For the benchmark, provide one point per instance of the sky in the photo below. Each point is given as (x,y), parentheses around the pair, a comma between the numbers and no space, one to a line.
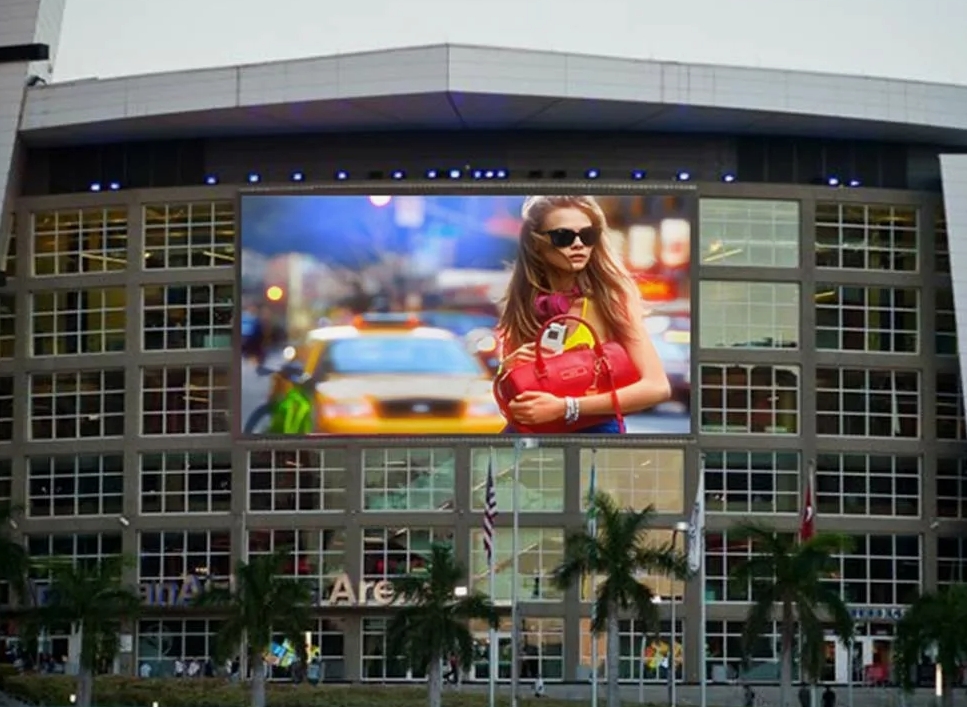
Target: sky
(909,39)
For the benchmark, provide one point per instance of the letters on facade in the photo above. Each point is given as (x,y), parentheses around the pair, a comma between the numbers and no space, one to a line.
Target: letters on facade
(342,593)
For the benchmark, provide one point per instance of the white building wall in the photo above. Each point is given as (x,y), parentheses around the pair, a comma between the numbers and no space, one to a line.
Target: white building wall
(21,22)
(953,169)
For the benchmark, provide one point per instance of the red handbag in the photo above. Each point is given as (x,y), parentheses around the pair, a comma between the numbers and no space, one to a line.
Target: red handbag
(573,373)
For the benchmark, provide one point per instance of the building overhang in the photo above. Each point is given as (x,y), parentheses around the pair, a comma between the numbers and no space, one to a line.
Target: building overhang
(452,87)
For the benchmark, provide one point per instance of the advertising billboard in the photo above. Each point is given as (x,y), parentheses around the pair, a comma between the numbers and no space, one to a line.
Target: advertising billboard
(439,314)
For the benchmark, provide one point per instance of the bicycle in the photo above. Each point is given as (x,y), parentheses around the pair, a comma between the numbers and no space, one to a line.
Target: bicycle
(292,413)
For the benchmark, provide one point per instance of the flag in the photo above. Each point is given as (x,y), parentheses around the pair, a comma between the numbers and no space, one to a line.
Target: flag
(490,513)
(807,523)
(696,526)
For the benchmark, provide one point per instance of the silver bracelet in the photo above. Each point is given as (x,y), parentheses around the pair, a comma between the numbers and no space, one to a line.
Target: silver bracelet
(572,410)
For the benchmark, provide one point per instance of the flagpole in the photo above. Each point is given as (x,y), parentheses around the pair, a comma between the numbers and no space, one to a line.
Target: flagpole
(703,650)
(492,589)
(593,532)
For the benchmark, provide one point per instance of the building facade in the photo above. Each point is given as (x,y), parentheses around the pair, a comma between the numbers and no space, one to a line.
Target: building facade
(826,341)
(826,338)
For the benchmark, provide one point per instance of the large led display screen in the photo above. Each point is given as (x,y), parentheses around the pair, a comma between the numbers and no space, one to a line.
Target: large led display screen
(442,314)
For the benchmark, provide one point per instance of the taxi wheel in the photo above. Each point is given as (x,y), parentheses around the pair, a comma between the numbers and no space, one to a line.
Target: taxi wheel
(260,419)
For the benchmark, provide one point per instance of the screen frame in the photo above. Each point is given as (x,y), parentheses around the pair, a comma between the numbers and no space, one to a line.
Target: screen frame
(471,187)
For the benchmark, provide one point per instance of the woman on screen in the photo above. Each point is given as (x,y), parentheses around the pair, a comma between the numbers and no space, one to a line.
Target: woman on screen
(565,265)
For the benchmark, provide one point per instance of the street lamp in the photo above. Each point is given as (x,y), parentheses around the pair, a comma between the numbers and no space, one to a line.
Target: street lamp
(520,444)
(680,527)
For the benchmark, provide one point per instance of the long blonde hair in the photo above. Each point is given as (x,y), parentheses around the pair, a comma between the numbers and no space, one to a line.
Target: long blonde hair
(605,278)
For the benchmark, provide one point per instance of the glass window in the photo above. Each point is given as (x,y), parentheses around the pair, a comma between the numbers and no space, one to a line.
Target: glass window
(8,261)
(80,241)
(945,334)
(180,317)
(397,552)
(317,557)
(723,555)
(376,667)
(743,315)
(880,569)
(950,407)
(637,478)
(6,408)
(175,554)
(82,548)
(408,479)
(539,550)
(642,649)
(867,485)
(75,404)
(873,319)
(749,399)
(942,262)
(6,481)
(184,400)
(752,482)
(541,478)
(328,646)
(858,237)
(161,643)
(200,235)
(68,485)
(70,322)
(727,656)
(859,402)
(297,480)
(951,560)
(744,232)
(186,482)
(8,321)
(951,487)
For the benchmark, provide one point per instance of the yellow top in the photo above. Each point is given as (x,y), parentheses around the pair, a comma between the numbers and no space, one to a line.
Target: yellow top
(581,336)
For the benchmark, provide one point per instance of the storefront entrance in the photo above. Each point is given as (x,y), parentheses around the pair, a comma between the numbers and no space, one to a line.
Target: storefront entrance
(871,664)
(481,663)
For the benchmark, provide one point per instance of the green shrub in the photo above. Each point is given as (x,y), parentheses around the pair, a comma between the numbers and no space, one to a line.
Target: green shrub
(115,691)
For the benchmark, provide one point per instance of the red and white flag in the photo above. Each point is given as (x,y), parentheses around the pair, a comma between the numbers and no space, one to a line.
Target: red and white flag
(807,521)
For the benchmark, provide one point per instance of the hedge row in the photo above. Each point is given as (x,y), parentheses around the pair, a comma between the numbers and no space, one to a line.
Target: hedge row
(114,691)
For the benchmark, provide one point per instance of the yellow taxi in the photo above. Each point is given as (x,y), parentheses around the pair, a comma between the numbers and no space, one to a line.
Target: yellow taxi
(391,374)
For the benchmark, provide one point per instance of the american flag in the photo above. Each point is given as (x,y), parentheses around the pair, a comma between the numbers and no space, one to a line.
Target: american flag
(490,513)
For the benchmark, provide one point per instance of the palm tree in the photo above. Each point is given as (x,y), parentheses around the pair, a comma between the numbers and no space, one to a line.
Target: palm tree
(14,563)
(433,622)
(795,577)
(934,622)
(92,599)
(622,555)
(259,605)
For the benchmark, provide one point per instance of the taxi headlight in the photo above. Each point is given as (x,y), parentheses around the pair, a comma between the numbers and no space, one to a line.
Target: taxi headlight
(357,407)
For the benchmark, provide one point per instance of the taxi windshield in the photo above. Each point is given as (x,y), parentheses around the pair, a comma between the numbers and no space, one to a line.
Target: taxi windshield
(400,354)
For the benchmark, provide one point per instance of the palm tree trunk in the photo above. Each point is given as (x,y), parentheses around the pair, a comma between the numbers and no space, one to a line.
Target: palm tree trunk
(948,690)
(788,638)
(614,659)
(434,682)
(257,666)
(85,687)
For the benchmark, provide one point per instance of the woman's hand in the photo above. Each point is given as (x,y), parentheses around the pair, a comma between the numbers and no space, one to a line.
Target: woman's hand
(537,408)
(522,354)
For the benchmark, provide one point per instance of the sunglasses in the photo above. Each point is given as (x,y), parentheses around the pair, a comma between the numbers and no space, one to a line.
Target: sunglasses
(565,237)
